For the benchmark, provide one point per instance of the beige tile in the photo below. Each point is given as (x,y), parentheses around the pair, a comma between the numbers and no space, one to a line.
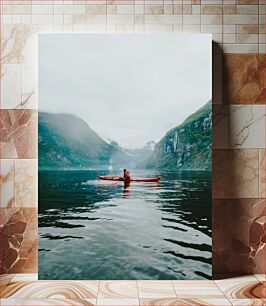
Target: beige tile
(191,19)
(10,85)
(26,19)
(4,280)
(68,8)
(262,49)
(195,9)
(139,19)
(21,9)
(247,2)
(42,9)
(229,38)
(67,28)
(262,39)
(7,183)
(245,287)
(209,28)
(154,9)
(183,302)
(248,302)
(45,28)
(140,28)
(247,38)
(25,277)
(262,9)
(156,289)
(262,28)
(59,9)
(42,19)
(58,19)
(111,10)
(163,19)
(26,183)
(197,289)
(211,9)
(206,301)
(100,20)
(16,19)
(118,290)
(68,19)
(48,302)
(216,2)
(96,10)
(117,302)
(120,19)
(262,172)
(247,9)
(80,19)
(177,28)
(240,19)
(191,28)
(217,38)
(247,126)
(51,290)
(240,48)
(247,29)
(211,19)
(125,28)
(187,9)
(6,9)
(229,9)
(260,277)
(79,9)
(29,84)
(159,302)
(229,29)
(178,9)
(139,8)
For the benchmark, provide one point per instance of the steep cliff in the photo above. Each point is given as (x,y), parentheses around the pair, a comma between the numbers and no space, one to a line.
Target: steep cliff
(187,146)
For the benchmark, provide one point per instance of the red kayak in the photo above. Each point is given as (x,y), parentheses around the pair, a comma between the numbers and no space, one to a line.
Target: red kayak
(121,179)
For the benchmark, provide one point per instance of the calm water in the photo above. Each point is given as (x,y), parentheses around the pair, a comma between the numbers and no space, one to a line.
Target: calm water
(90,229)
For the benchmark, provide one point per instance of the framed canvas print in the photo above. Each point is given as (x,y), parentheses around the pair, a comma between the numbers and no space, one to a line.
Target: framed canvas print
(125,156)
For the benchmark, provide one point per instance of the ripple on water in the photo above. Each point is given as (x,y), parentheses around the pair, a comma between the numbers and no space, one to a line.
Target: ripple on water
(102,230)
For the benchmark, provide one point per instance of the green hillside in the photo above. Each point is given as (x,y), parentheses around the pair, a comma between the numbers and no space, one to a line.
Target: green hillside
(187,146)
(66,141)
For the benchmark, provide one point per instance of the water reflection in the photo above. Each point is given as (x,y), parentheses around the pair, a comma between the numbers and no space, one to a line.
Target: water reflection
(145,230)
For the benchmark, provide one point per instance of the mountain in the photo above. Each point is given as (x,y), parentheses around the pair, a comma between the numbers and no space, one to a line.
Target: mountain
(138,156)
(187,146)
(66,141)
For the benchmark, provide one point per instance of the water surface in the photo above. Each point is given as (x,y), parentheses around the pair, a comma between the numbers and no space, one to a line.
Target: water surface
(90,229)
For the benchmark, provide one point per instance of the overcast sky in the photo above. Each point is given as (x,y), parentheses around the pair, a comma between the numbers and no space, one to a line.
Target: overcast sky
(131,88)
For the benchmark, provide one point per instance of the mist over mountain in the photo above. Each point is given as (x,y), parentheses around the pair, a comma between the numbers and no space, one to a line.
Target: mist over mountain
(67,142)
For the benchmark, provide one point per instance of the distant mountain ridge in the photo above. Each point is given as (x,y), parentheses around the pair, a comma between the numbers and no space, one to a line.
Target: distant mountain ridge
(187,146)
(66,141)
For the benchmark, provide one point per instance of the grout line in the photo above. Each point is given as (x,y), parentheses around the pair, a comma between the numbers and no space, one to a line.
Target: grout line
(220,289)
(138,291)
(175,290)
(98,289)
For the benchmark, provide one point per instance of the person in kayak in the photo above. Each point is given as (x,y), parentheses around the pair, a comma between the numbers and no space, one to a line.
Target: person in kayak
(127,175)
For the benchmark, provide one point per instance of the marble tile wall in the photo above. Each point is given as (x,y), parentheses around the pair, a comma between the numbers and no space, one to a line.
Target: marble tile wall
(238,28)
